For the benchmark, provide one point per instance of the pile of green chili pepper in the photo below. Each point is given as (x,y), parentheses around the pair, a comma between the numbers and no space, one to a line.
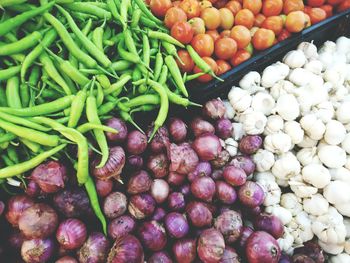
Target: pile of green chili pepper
(65,66)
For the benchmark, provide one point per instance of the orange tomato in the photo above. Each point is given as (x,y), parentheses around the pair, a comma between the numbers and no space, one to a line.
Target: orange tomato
(191,8)
(259,19)
(315,3)
(177,3)
(296,21)
(240,56)
(225,48)
(205,4)
(245,17)
(227,18)
(272,7)
(263,39)
(275,23)
(173,15)
(292,5)
(253,5)
(211,18)
(317,15)
(206,77)
(214,34)
(203,44)
(328,9)
(283,35)
(307,9)
(225,33)
(160,7)
(234,6)
(334,2)
(241,35)
(188,63)
(223,66)
(344,6)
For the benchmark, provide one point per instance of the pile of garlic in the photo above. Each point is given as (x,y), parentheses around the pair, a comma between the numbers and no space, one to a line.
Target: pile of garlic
(302,107)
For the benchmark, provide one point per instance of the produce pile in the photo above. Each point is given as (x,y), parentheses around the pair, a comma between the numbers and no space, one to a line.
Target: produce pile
(227,33)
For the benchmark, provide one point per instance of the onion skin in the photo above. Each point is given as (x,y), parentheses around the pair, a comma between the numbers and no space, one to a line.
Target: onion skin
(199,214)
(313,250)
(246,233)
(185,190)
(176,179)
(221,160)
(160,257)
(71,233)
(200,127)
(251,194)
(177,130)
(261,247)
(300,258)
(103,187)
(159,214)
(250,144)
(207,146)
(234,176)
(121,226)
(135,162)
(115,205)
(66,259)
(225,193)
(203,188)
(244,162)
(230,225)
(285,258)
(223,128)
(185,250)
(176,201)
(95,249)
(139,182)
(270,224)
(230,256)
(37,250)
(136,142)
(176,225)
(160,140)
(15,207)
(217,174)
(202,169)
(160,190)
(183,159)
(211,246)
(16,240)
(38,221)
(120,126)
(126,249)
(214,109)
(159,165)
(141,206)
(33,189)
(152,235)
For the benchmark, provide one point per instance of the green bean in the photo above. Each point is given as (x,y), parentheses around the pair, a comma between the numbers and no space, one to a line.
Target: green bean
(146,50)
(9,72)
(14,22)
(89,9)
(24,94)
(3,99)
(21,45)
(103,80)
(33,146)
(158,66)
(141,4)
(12,93)
(171,50)
(142,99)
(22,121)
(91,126)
(7,137)
(116,87)
(136,15)
(165,37)
(77,108)
(176,74)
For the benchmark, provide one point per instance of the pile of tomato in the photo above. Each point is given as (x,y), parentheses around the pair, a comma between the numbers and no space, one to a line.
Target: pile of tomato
(226,33)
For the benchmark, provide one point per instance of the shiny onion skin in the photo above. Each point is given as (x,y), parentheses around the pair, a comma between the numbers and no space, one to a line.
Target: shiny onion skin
(214,109)
(71,233)
(135,162)
(225,193)
(15,207)
(210,246)
(177,130)
(246,233)
(66,259)
(202,169)
(37,250)
(200,127)
(176,201)
(176,179)
(244,162)
(183,159)
(94,250)
(158,164)
(270,224)
(313,250)
(115,205)
(221,160)
(121,226)
(120,126)
(223,128)
(126,249)
(176,225)
(160,140)
(184,250)
(33,189)
(207,146)
(235,176)
(159,214)
(250,144)
(230,256)
(136,142)
(203,188)
(230,225)
(141,206)
(152,235)
(261,247)
(198,214)
(160,190)
(160,257)
(139,182)
(251,194)
(104,187)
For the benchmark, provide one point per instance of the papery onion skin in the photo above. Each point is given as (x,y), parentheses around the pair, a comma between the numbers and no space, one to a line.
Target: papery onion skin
(244,162)
(121,226)
(230,225)
(313,250)
(37,250)
(15,207)
(176,201)
(286,259)
(33,189)
(66,259)
(139,182)
(223,128)
(115,204)
(270,224)
(95,249)
(301,258)
(214,109)
(185,190)
(217,174)
(135,162)
(261,247)
(176,179)
(160,190)
(251,194)
(246,233)
(160,139)
(200,127)
(221,160)
(126,249)
(176,225)
(184,250)
(71,233)
(199,214)
(120,126)
(234,176)
(202,169)
(207,146)
(113,167)
(177,130)
(136,142)
(38,221)
(141,206)
(159,214)
(203,188)
(160,257)
(225,193)
(250,144)
(183,159)
(104,187)
(211,246)
(230,256)
(159,165)
(152,235)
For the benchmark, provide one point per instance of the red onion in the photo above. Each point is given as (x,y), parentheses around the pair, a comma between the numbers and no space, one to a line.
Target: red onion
(203,188)
(223,128)
(50,176)
(160,257)
(270,224)
(286,259)
(15,207)
(312,250)
(244,162)
(136,142)
(199,214)
(121,226)
(300,258)
(126,249)
(230,256)
(246,233)
(176,179)
(185,250)
(261,247)
(176,201)
(234,175)
(114,165)
(71,233)
(183,159)
(230,225)
(73,202)
(251,194)
(252,212)
(152,235)
(115,205)
(160,190)
(217,175)
(207,146)
(176,225)
(158,164)
(37,250)
(211,246)
(135,162)
(160,140)
(200,127)
(225,193)
(250,144)
(159,214)
(104,187)
(38,221)
(141,206)
(221,160)
(139,182)
(202,169)
(120,126)
(185,190)
(94,250)
(33,189)
(177,129)
(15,240)
(214,109)
(66,259)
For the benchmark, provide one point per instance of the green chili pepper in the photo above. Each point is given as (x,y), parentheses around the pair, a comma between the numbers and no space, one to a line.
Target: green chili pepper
(143,99)
(77,108)
(117,87)
(165,37)
(90,9)
(12,93)
(136,15)
(33,146)
(91,126)
(171,50)
(21,45)
(176,74)
(9,72)
(141,4)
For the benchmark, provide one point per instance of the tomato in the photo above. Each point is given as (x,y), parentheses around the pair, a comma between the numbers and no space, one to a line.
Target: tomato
(275,23)
(177,3)
(316,15)
(296,21)
(334,2)
(249,48)
(205,4)
(315,3)
(214,34)
(240,56)
(227,18)
(220,4)
(328,9)
(206,77)
(344,6)
(225,48)
(211,18)
(160,7)
(272,7)
(191,8)
(182,31)
(292,5)
(225,33)
(203,44)
(223,66)
(283,35)
(259,19)
(263,39)
(198,25)
(245,17)
(234,6)
(253,30)
(188,63)
(173,15)
(213,1)
(253,5)
(241,35)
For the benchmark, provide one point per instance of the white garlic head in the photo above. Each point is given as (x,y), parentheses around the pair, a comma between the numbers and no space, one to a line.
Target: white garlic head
(287,107)
(294,130)
(274,124)
(263,102)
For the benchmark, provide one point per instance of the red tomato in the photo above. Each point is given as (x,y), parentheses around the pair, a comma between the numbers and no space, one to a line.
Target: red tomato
(272,7)
(328,9)
(198,25)
(245,17)
(253,5)
(177,3)
(160,7)
(334,2)
(206,77)
(316,15)
(240,56)
(259,19)
(225,48)
(211,18)
(214,34)
(191,8)
(283,35)
(296,21)
(182,31)
(223,66)
(344,6)
(185,57)
(173,15)
(275,23)
(292,5)
(203,44)
(234,6)
(205,4)
(225,33)
(315,3)
(263,39)
(241,35)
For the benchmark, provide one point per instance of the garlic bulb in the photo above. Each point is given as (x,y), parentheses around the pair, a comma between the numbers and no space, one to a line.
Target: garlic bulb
(314,66)
(287,107)
(274,124)
(312,126)
(230,112)
(292,203)
(295,59)
(263,160)
(231,146)
(282,87)
(239,99)
(346,143)
(316,205)
(342,113)
(333,76)
(343,45)
(294,130)
(342,174)
(316,175)
(254,123)
(307,142)
(324,111)
(332,156)
(274,73)
(309,50)
(238,131)
(307,156)
(300,188)
(282,213)
(335,132)
(300,76)
(278,143)
(286,166)
(263,102)
(251,82)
